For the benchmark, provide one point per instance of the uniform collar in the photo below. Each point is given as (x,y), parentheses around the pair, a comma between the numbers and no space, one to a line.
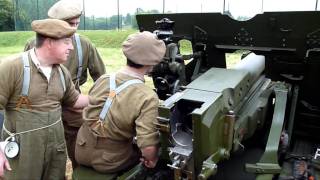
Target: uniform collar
(132,74)
(34,58)
(45,70)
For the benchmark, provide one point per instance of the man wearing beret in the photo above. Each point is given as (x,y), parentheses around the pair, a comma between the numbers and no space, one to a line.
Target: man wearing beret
(84,57)
(122,108)
(32,89)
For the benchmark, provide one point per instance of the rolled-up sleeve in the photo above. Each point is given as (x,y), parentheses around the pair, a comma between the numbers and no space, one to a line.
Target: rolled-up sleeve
(8,80)
(71,94)
(147,134)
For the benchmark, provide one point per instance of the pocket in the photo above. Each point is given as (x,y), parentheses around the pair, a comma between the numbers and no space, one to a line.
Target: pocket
(104,161)
(111,157)
(61,147)
(83,150)
(81,142)
(57,161)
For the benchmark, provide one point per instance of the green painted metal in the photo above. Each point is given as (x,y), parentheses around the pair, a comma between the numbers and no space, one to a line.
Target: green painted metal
(132,173)
(209,166)
(84,173)
(264,177)
(268,164)
(216,92)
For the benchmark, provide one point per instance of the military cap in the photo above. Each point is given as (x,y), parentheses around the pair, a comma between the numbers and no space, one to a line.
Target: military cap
(53,28)
(144,48)
(65,9)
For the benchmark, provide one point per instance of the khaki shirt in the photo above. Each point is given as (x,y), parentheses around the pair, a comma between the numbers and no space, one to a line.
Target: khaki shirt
(44,96)
(132,113)
(91,60)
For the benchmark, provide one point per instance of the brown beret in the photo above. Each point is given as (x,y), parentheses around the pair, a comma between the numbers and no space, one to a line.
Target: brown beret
(65,9)
(53,28)
(144,48)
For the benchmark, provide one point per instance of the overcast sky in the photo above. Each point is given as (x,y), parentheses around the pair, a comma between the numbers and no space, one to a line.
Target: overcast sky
(103,8)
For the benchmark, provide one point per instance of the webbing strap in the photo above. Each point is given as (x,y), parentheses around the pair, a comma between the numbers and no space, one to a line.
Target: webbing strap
(112,82)
(26,74)
(113,92)
(108,102)
(80,56)
(62,79)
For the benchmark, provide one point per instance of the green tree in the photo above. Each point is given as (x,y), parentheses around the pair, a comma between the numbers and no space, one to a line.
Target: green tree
(113,22)
(6,15)
(128,20)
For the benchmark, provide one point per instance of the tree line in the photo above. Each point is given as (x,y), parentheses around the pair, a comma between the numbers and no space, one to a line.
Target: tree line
(17,15)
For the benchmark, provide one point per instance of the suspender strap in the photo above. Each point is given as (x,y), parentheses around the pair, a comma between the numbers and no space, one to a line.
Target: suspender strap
(80,56)
(108,102)
(113,92)
(112,82)
(62,79)
(26,74)
(126,84)
(1,118)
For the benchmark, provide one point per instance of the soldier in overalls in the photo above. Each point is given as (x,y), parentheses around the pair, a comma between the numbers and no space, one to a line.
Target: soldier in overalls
(84,57)
(121,108)
(32,89)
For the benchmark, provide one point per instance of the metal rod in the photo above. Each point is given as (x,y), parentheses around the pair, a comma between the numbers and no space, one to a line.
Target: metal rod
(37,9)
(224,6)
(84,16)
(293,107)
(106,22)
(118,15)
(163,5)
(93,23)
(15,3)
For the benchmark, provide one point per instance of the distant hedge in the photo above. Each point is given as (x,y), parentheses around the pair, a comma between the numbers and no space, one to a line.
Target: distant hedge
(101,38)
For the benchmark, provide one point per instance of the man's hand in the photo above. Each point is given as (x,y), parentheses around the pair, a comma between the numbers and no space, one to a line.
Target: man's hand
(4,164)
(149,163)
(82,101)
(149,156)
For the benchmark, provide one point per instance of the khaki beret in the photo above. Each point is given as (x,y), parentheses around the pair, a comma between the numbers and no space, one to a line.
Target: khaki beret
(53,28)
(144,48)
(65,9)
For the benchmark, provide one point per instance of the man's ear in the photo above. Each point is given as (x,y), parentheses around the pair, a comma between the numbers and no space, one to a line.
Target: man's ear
(48,43)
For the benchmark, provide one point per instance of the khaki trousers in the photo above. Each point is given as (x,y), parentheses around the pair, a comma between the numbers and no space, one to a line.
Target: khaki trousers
(72,122)
(42,153)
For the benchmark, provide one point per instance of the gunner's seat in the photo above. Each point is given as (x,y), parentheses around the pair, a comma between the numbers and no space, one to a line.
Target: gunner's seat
(85,173)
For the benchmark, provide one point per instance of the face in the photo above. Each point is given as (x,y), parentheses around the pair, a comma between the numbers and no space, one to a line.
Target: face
(74,22)
(60,49)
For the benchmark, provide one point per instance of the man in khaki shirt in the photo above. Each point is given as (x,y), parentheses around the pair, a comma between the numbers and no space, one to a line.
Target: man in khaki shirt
(105,140)
(32,89)
(84,57)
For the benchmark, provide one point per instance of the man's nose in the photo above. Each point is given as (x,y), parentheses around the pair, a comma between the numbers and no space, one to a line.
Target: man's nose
(71,46)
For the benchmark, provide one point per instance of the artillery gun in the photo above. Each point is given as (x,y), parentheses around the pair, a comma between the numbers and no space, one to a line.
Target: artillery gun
(259,120)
